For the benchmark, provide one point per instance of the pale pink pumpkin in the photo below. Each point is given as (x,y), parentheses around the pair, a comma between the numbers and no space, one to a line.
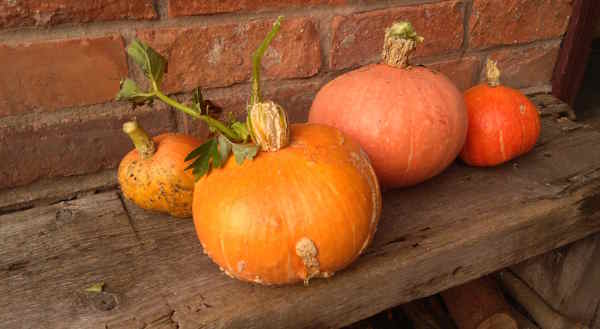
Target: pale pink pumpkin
(411,120)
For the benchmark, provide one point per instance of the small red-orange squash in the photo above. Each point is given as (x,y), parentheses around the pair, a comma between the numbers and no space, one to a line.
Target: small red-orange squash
(303,211)
(153,174)
(410,120)
(503,123)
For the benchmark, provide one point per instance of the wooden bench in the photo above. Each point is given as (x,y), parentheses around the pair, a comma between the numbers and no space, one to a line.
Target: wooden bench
(458,226)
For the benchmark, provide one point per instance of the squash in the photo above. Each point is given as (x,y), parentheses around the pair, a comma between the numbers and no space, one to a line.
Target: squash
(153,176)
(503,123)
(304,211)
(305,207)
(410,120)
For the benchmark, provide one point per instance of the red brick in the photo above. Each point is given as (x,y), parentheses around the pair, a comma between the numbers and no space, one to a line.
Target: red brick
(526,67)
(295,97)
(19,13)
(464,72)
(219,55)
(502,22)
(73,143)
(203,7)
(357,39)
(49,75)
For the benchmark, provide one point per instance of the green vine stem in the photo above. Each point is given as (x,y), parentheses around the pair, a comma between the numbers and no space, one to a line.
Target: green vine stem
(266,121)
(256,59)
(228,132)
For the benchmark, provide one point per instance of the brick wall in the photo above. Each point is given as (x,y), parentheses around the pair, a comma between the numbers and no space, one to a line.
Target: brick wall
(62,61)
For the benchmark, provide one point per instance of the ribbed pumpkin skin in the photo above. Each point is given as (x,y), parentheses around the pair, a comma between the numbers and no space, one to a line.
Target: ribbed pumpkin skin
(411,122)
(249,218)
(503,124)
(160,183)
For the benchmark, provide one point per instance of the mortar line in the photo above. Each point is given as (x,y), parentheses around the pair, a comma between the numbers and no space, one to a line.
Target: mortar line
(468,11)
(13,36)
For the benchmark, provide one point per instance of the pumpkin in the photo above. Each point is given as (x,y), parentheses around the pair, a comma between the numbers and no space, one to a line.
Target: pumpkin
(304,211)
(305,207)
(410,120)
(503,123)
(153,175)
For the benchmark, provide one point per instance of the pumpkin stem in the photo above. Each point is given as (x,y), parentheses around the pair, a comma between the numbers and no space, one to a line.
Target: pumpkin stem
(492,73)
(256,59)
(143,143)
(267,121)
(269,125)
(400,41)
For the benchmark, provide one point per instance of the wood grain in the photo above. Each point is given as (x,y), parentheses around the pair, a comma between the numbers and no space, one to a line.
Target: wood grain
(542,313)
(523,321)
(568,278)
(461,225)
(52,190)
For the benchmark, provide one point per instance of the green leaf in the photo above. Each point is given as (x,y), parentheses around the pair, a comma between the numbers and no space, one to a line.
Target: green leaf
(206,156)
(215,152)
(151,62)
(240,151)
(96,287)
(199,150)
(131,92)
(241,129)
(224,148)
(244,151)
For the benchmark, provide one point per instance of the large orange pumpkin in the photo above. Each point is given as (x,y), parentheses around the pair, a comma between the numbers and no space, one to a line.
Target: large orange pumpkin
(306,210)
(410,120)
(153,174)
(503,123)
(305,207)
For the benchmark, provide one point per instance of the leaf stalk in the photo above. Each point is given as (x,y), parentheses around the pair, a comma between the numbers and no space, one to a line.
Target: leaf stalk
(214,123)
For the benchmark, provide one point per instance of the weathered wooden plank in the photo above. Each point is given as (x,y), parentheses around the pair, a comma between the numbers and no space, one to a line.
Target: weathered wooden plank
(549,105)
(49,255)
(523,321)
(568,278)
(55,189)
(459,226)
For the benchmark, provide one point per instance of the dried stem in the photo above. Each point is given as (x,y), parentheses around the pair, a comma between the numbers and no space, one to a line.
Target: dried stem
(142,142)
